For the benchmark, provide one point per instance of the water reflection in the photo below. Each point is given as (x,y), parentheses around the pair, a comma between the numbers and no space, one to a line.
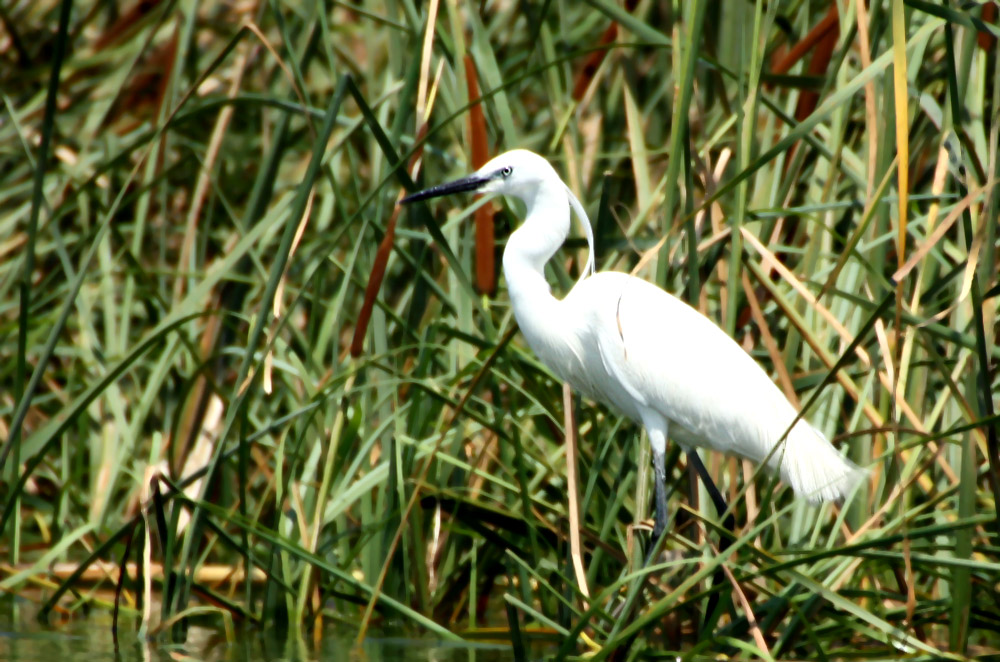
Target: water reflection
(86,637)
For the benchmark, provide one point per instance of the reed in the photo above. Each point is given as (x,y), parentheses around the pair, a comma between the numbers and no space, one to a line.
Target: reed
(198,223)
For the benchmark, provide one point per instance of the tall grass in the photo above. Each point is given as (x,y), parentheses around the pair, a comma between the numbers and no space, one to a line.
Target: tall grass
(194,196)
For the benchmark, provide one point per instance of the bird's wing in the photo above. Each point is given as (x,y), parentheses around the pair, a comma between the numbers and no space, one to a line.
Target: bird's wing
(658,352)
(644,350)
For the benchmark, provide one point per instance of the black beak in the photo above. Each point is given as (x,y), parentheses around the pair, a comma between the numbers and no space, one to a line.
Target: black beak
(471,183)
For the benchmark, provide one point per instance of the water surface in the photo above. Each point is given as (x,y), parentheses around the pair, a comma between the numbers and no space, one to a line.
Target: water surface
(87,637)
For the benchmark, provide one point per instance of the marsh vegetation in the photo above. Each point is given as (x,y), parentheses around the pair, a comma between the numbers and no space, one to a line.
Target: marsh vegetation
(233,367)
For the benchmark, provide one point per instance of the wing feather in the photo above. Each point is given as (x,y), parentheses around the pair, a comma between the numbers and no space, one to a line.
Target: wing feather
(656,351)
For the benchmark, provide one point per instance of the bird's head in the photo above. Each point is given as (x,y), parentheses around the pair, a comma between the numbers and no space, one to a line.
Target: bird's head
(518,173)
(521,174)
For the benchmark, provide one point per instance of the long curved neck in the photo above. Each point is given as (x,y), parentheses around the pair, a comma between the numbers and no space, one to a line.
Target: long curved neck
(532,245)
(549,326)
(540,316)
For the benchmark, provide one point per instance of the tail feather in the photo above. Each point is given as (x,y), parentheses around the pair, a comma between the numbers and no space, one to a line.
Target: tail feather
(814,468)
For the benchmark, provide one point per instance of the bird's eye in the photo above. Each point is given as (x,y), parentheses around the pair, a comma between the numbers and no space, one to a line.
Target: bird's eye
(506,171)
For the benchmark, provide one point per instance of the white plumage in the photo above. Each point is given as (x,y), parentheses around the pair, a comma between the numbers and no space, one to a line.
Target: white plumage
(629,344)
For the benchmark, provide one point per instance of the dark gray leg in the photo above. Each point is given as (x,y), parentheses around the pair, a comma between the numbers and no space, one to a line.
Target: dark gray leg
(729,522)
(660,472)
(713,492)
(656,428)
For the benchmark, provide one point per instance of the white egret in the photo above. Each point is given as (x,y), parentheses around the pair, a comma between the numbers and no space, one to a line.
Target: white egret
(629,344)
